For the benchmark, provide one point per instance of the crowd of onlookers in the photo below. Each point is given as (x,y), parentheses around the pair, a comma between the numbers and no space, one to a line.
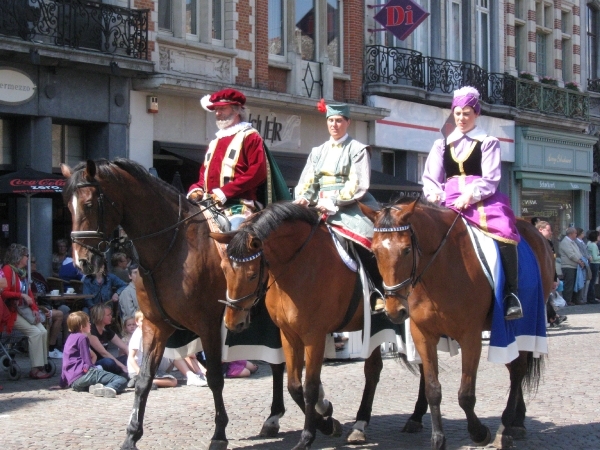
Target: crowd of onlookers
(577,267)
(101,345)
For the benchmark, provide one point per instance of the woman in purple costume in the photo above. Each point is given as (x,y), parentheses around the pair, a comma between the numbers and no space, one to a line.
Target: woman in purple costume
(462,172)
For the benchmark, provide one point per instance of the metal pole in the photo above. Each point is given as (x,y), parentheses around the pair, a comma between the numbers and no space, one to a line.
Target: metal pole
(28,239)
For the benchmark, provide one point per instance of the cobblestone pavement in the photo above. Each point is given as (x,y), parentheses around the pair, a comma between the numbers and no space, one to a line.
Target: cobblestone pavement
(563,415)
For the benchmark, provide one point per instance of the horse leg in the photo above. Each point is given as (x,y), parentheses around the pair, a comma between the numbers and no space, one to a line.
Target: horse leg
(513,416)
(211,342)
(154,340)
(415,422)
(427,348)
(271,426)
(471,351)
(372,370)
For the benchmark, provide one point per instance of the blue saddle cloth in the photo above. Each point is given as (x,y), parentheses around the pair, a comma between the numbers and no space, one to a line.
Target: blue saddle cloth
(508,337)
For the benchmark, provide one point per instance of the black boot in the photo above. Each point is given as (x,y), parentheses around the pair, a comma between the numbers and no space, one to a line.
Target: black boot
(510,263)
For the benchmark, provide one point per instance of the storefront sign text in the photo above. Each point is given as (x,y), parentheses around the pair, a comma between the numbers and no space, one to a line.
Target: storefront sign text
(280,131)
(401,17)
(15,86)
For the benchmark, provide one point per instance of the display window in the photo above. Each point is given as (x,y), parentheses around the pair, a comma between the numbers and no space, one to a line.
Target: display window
(553,206)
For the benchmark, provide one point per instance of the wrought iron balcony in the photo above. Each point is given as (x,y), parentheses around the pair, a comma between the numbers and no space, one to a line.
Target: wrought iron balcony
(594,85)
(77,24)
(404,67)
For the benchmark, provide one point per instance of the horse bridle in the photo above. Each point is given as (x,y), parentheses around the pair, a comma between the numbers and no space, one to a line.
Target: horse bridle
(413,280)
(262,288)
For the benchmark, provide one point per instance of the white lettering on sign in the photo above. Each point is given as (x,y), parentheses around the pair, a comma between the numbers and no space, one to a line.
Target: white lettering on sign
(560,159)
(15,86)
(547,185)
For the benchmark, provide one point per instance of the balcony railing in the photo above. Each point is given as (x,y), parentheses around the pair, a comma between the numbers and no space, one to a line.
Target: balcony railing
(594,85)
(404,67)
(77,24)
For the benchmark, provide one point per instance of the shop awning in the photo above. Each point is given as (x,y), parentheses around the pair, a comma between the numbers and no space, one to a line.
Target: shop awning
(553,182)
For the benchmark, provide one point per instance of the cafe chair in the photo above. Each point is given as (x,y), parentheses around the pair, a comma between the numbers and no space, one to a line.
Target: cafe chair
(77,285)
(56,283)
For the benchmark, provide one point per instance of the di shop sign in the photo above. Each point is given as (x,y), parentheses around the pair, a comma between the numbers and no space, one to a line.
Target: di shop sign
(401,17)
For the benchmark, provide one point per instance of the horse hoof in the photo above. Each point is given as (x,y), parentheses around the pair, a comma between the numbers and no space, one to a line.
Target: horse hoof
(337,428)
(356,437)
(329,411)
(301,446)
(217,445)
(486,440)
(517,433)
(503,441)
(269,431)
(412,426)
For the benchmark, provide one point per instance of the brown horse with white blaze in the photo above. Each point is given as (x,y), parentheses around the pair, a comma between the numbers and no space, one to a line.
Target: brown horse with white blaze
(286,255)
(429,265)
(181,279)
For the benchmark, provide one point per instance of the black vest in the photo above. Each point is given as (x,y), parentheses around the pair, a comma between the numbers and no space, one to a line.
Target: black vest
(471,166)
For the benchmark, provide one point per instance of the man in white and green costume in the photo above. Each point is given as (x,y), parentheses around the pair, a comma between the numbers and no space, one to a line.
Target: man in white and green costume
(336,176)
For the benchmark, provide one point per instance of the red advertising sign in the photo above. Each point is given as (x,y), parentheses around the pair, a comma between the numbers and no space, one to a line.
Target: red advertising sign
(401,17)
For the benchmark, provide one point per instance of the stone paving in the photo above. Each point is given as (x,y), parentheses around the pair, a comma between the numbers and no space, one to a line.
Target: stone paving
(565,413)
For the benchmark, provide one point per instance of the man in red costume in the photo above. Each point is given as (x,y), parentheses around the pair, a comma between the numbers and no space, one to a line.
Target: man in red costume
(235,164)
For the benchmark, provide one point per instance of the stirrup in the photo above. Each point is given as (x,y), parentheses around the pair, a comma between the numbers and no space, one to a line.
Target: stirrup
(379,306)
(512,307)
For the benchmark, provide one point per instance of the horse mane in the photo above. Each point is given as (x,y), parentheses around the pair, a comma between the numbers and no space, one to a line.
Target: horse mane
(106,170)
(263,223)
(387,221)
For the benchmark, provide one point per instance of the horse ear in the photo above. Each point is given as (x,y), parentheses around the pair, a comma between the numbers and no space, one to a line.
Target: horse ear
(367,211)
(66,170)
(90,169)
(223,238)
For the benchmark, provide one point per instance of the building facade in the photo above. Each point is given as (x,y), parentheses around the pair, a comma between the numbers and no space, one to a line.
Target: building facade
(527,60)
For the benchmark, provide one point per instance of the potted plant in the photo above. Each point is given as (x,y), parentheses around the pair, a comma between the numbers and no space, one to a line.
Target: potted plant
(526,76)
(549,80)
(573,85)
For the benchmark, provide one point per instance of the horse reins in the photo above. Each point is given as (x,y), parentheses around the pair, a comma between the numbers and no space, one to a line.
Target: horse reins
(262,288)
(393,290)
(104,245)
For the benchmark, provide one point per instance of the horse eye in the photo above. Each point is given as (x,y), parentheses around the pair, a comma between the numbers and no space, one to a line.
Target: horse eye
(407,250)
(253,277)
(88,205)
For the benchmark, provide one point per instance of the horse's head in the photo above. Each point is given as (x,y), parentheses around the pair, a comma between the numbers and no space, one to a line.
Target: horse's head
(246,276)
(92,219)
(396,253)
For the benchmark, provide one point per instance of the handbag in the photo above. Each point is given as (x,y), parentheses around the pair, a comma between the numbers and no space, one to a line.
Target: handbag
(25,311)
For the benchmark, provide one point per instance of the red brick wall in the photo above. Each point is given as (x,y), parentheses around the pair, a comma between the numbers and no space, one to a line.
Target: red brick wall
(353,26)
(147,4)
(338,90)
(243,77)
(276,79)
(263,72)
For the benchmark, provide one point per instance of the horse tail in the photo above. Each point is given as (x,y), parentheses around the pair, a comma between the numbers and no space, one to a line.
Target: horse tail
(402,359)
(535,369)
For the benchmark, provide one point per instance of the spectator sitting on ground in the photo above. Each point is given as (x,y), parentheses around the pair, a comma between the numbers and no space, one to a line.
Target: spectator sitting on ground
(78,369)
(161,378)
(101,286)
(119,263)
(58,314)
(129,326)
(239,369)
(128,298)
(102,335)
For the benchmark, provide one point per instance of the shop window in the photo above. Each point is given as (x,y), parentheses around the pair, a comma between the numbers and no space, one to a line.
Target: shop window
(553,206)
(277,27)
(6,140)
(388,162)
(67,145)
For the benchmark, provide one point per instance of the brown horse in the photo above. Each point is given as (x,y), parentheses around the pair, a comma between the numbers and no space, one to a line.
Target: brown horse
(181,279)
(286,254)
(436,274)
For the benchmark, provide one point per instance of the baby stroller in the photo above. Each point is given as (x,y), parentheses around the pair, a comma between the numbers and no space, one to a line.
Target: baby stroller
(13,343)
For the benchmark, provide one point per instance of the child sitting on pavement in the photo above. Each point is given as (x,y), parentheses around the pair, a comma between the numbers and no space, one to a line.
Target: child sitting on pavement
(78,369)
(161,379)
(129,326)
(239,369)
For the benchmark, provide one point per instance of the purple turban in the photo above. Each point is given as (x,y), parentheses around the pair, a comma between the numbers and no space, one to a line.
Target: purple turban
(466,96)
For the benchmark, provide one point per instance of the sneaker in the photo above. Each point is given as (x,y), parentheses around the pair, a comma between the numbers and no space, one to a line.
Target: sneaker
(55,354)
(131,382)
(195,380)
(105,391)
(94,387)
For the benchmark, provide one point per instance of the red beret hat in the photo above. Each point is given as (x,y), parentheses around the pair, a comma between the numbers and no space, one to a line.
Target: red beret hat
(223,98)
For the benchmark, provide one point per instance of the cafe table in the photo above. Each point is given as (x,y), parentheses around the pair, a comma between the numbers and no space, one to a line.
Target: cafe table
(73,301)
